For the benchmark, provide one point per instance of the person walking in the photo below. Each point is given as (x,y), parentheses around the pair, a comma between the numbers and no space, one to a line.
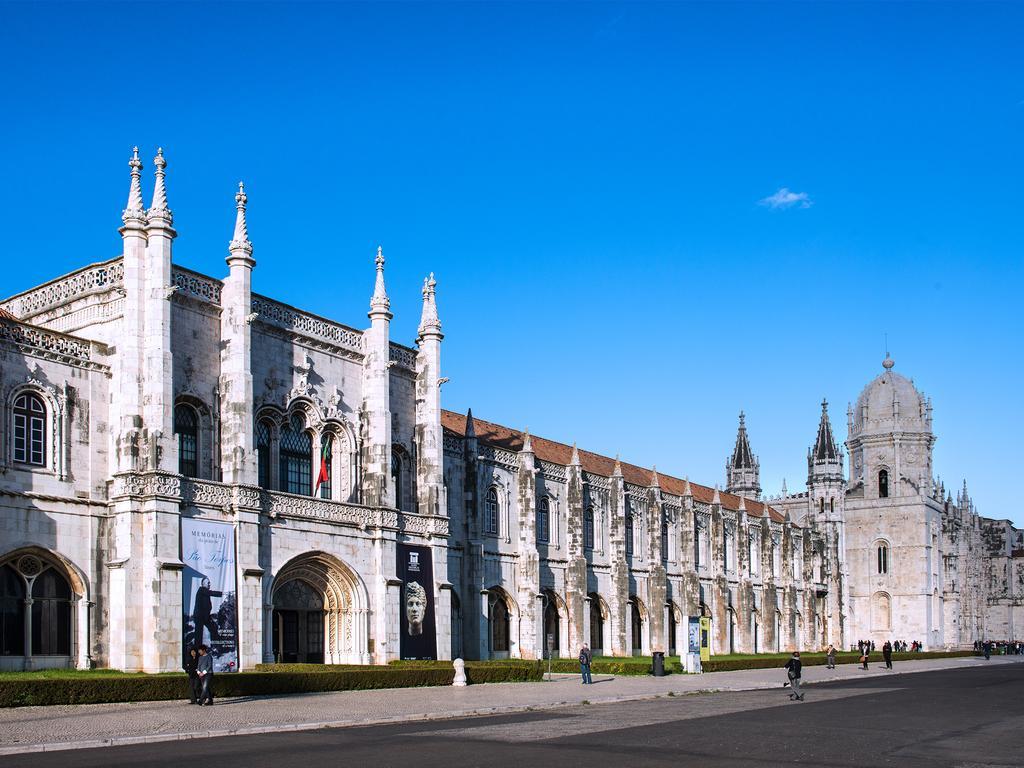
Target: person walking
(987,647)
(864,657)
(191,667)
(830,657)
(887,654)
(793,667)
(586,657)
(205,671)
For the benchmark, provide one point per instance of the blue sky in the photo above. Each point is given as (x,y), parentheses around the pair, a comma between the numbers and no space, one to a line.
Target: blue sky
(584,180)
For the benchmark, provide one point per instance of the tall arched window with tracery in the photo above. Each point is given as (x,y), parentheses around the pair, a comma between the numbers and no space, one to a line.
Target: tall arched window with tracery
(263,453)
(296,458)
(491,512)
(186,427)
(29,430)
(588,528)
(325,468)
(883,484)
(544,521)
(629,533)
(396,477)
(883,558)
(664,540)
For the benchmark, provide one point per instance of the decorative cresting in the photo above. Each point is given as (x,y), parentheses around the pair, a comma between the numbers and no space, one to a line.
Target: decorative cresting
(403,356)
(305,325)
(346,604)
(48,344)
(196,286)
(94,278)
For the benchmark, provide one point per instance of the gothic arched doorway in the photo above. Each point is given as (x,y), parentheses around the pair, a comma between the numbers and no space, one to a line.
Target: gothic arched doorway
(319,612)
(551,639)
(499,623)
(597,616)
(637,626)
(298,624)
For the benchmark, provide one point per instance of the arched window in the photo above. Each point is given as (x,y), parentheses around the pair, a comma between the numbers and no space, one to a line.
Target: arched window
(588,528)
(883,558)
(263,452)
(881,615)
(12,612)
(499,621)
(637,625)
(664,540)
(29,430)
(324,471)
(697,533)
(51,615)
(883,484)
(396,477)
(186,427)
(596,624)
(491,512)
(296,458)
(629,533)
(552,641)
(544,520)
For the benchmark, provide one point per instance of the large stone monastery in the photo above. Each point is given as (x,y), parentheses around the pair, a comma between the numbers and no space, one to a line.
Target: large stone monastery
(143,404)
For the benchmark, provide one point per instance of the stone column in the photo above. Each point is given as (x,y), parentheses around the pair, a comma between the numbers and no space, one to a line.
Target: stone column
(657,580)
(530,628)
(618,610)
(576,599)
(238,454)
(378,489)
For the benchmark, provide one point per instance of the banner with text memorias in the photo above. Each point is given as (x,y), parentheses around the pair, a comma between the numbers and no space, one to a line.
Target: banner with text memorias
(416,572)
(209,599)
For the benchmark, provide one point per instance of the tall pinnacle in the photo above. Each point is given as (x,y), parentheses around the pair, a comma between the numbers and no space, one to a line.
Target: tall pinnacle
(527,444)
(134,211)
(240,239)
(742,456)
(617,469)
(429,321)
(380,303)
(825,445)
(470,428)
(159,209)
(575,459)
(655,481)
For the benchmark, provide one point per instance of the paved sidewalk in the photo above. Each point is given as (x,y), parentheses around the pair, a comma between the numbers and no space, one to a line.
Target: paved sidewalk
(34,729)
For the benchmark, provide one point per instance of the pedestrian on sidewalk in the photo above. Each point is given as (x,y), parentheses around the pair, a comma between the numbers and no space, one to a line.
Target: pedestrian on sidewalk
(864,658)
(887,654)
(793,667)
(586,657)
(205,671)
(830,656)
(987,647)
(191,667)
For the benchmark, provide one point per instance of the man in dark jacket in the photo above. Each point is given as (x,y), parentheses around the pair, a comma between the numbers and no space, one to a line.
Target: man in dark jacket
(205,671)
(191,667)
(887,654)
(793,667)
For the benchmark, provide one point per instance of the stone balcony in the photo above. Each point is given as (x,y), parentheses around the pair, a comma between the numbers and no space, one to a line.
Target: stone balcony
(230,499)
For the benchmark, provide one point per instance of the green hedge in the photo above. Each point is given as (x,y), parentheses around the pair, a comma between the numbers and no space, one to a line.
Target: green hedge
(818,659)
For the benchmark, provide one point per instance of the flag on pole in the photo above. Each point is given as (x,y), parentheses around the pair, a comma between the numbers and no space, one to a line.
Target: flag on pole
(323,477)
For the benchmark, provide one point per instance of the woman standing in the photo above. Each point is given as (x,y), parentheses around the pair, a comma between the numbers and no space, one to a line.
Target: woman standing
(191,667)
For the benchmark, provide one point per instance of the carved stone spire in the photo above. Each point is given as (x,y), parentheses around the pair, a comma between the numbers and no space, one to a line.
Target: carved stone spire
(687,491)
(429,322)
(743,505)
(717,498)
(240,240)
(159,209)
(655,481)
(527,444)
(617,469)
(134,212)
(380,304)
(742,469)
(575,460)
(470,429)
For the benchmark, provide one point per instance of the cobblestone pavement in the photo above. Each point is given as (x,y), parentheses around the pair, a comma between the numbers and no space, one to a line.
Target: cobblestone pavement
(30,729)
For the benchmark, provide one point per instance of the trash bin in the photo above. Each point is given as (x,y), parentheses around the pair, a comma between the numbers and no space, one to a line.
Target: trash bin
(659,664)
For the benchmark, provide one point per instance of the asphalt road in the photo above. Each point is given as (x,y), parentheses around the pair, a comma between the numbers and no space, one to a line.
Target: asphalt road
(965,718)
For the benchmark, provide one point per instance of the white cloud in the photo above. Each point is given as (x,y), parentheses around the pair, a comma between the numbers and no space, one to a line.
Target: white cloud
(784,198)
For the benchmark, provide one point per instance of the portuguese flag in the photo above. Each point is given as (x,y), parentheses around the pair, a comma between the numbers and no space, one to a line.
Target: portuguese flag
(323,477)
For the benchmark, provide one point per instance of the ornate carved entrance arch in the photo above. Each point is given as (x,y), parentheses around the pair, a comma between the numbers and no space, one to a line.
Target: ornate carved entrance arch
(345,604)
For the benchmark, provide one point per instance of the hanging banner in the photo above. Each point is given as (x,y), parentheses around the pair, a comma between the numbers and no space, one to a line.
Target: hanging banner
(705,638)
(694,635)
(209,600)
(416,572)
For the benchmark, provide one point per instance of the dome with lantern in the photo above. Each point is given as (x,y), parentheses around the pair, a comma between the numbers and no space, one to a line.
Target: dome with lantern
(891,403)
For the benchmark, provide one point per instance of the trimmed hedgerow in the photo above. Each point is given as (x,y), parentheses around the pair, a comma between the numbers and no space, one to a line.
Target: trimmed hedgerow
(268,680)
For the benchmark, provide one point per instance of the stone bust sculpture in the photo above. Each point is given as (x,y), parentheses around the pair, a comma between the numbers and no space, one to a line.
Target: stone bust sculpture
(415,606)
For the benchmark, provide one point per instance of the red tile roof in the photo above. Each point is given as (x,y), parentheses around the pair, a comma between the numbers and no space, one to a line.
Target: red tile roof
(560,453)
(5,315)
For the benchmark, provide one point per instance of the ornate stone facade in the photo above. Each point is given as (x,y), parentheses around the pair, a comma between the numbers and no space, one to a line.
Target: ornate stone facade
(138,393)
